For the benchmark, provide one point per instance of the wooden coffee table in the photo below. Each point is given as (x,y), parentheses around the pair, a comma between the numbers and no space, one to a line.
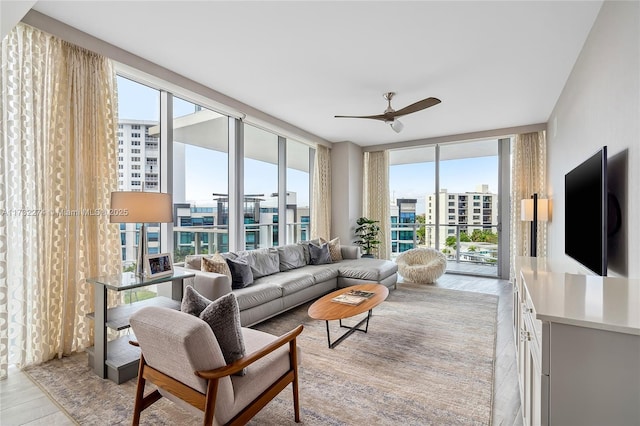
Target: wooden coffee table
(325,309)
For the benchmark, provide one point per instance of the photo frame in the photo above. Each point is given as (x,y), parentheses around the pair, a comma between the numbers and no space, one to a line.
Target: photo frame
(158,265)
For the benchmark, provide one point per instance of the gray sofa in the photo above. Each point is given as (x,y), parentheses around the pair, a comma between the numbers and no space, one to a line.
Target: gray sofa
(291,286)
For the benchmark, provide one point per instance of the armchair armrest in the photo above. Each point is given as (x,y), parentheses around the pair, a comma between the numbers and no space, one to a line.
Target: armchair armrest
(245,361)
(350,252)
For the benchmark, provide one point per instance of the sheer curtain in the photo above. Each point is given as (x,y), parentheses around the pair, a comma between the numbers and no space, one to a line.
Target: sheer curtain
(529,171)
(375,197)
(58,162)
(321,205)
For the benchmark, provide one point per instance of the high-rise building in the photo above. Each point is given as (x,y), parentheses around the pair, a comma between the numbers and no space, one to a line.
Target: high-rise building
(460,212)
(403,225)
(138,170)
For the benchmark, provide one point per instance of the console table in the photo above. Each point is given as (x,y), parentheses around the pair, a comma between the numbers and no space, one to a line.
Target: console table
(577,346)
(117,360)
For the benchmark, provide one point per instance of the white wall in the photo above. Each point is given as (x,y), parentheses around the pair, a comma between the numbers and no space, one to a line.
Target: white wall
(600,106)
(346,190)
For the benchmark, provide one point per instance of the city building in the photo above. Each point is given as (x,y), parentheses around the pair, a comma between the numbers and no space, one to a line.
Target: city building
(459,213)
(138,170)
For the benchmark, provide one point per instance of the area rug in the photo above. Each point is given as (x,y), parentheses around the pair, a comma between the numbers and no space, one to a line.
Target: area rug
(428,358)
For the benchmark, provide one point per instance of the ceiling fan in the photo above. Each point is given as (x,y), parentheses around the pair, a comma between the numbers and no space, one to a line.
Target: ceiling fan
(390,115)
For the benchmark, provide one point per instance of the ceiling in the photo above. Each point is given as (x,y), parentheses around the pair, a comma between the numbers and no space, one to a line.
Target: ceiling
(493,64)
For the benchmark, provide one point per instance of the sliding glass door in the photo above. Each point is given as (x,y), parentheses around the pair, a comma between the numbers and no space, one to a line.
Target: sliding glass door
(447,197)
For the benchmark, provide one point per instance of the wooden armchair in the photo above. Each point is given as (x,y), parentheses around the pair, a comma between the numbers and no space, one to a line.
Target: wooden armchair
(181,356)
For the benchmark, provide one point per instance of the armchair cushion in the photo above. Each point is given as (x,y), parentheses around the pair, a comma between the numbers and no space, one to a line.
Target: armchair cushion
(223,316)
(193,303)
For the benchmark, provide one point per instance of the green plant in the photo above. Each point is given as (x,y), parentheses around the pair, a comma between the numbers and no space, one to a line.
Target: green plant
(367,234)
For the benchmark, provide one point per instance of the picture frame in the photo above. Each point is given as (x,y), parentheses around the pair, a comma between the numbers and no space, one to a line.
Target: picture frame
(158,265)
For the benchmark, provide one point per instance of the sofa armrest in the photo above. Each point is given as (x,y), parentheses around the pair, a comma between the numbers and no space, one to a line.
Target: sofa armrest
(350,252)
(208,284)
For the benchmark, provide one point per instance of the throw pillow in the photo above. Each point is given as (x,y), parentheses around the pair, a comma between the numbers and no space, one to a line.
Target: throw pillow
(241,275)
(319,254)
(263,262)
(193,303)
(193,261)
(223,316)
(217,264)
(305,248)
(334,250)
(291,256)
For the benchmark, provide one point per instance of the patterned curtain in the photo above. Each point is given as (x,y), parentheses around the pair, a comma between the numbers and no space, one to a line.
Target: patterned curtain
(375,197)
(528,170)
(58,162)
(321,206)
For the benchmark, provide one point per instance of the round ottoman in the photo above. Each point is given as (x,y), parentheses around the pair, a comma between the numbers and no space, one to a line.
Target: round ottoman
(421,265)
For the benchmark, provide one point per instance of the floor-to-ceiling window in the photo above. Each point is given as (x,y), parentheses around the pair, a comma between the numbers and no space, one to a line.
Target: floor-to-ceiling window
(412,176)
(200,180)
(299,163)
(469,191)
(260,203)
(446,197)
(138,167)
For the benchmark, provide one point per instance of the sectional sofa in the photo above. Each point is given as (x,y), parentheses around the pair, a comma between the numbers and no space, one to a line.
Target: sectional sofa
(295,279)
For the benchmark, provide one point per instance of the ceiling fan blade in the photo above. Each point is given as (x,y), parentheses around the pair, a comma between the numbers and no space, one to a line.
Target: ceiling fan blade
(420,105)
(382,117)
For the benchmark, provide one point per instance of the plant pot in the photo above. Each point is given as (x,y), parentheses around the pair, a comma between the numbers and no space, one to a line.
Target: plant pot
(368,256)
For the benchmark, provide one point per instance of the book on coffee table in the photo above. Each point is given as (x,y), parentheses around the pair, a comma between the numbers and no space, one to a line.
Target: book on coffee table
(360,293)
(348,299)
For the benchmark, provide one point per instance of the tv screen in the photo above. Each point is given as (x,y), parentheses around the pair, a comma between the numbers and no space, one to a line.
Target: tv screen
(585,220)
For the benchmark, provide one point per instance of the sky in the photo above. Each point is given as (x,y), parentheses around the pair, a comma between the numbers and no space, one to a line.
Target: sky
(206,170)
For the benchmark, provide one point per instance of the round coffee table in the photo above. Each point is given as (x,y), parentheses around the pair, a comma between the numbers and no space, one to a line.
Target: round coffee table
(328,310)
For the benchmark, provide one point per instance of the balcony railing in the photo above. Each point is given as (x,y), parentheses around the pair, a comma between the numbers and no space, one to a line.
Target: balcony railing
(212,238)
(455,241)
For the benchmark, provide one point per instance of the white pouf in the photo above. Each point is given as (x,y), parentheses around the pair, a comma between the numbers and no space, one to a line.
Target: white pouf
(421,265)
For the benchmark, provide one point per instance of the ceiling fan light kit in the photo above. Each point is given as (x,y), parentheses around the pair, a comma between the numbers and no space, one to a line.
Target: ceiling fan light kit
(389,115)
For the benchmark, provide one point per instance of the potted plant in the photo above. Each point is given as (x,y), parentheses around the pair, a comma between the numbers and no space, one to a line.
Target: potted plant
(367,234)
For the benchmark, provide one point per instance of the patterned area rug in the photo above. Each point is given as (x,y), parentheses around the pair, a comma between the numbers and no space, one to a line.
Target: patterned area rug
(428,358)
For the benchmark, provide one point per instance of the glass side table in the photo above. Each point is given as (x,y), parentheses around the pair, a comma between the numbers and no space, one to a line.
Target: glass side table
(117,360)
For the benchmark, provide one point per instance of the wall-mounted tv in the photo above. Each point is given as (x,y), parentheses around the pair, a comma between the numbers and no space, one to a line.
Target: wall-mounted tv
(585,221)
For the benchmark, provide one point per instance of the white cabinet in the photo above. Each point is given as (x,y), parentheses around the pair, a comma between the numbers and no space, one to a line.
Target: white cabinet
(578,347)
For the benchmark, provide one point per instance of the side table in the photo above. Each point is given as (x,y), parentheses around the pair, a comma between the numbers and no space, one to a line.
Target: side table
(116,359)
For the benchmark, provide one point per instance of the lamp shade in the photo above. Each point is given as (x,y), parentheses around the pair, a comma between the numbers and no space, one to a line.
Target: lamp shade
(141,207)
(526,210)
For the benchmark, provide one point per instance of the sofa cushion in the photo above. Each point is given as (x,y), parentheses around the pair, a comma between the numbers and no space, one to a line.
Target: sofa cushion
(263,262)
(223,316)
(319,255)
(367,269)
(241,275)
(289,282)
(217,264)
(321,273)
(258,293)
(291,256)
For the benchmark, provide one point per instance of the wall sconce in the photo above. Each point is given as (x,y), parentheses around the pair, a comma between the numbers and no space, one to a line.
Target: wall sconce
(534,210)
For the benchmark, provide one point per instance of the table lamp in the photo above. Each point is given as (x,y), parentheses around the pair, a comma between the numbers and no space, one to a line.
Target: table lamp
(141,207)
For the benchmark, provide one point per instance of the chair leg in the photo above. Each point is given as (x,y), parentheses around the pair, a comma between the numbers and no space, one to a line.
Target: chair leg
(210,402)
(137,408)
(293,351)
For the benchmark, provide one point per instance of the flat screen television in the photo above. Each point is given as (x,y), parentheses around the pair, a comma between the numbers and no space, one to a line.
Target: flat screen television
(585,221)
